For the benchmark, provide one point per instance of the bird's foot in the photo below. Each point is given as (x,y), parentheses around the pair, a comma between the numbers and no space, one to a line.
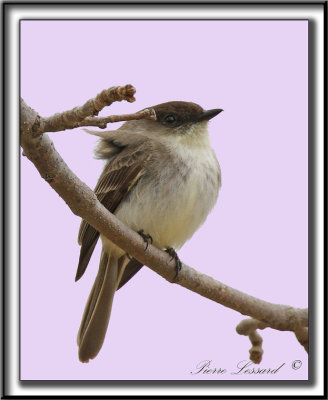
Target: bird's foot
(178,263)
(147,238)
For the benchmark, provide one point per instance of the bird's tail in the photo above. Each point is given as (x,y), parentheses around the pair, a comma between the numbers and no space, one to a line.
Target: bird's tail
(97,311)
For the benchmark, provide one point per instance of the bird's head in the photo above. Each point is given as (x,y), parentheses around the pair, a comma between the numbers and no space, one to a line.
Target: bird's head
(182,119)
(175,114)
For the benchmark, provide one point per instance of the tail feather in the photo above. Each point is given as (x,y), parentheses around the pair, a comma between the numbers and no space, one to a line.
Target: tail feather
(97,311)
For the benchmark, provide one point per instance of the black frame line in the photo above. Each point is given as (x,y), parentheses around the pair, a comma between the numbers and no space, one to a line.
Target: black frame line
(79,384)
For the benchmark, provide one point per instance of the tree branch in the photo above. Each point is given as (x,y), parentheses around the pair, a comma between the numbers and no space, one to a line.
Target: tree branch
(83,202)
(302,335)
(248,327)
(102,122)
(75,117)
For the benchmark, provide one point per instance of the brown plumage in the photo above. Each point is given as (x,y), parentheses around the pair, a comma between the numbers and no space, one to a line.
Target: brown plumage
(112,187)
(154,179)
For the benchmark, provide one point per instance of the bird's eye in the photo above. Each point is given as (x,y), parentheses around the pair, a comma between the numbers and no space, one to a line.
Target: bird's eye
(169,119)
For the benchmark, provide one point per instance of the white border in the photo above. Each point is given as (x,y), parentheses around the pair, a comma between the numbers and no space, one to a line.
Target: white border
(313,12)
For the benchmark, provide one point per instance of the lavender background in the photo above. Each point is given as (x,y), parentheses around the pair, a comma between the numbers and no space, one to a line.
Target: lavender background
(254,240)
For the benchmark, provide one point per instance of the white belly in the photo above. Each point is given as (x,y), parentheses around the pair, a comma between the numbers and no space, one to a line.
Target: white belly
(177,204)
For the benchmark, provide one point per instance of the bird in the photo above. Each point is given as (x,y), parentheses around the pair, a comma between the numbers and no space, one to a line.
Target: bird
(161,178)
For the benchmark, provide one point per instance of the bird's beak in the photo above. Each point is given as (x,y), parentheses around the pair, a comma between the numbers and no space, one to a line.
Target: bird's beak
(208,114)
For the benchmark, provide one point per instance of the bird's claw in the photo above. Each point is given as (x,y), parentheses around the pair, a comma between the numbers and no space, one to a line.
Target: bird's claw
(178,263)
(147,238)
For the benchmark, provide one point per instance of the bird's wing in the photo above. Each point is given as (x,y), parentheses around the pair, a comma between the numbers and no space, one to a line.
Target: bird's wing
(121,173)
(131,269)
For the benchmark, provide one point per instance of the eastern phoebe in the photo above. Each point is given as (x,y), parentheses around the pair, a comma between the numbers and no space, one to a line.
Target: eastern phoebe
(161,178)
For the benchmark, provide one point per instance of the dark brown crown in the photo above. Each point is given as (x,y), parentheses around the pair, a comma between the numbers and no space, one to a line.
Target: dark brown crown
(176,113)
(182,111)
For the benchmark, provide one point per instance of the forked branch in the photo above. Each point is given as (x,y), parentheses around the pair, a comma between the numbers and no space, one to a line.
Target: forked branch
(82,201)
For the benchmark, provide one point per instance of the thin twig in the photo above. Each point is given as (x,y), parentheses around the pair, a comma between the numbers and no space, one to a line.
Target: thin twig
(256,351)
(71,119)
(102,122)
(248,327)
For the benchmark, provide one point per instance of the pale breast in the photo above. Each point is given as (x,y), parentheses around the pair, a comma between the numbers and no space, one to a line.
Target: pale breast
(174,196)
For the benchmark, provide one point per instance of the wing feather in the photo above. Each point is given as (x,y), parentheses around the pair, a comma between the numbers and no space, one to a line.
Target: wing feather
(118,177)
